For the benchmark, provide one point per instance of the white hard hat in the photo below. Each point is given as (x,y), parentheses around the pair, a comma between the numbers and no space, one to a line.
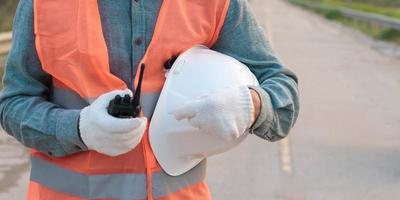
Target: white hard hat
(178,146)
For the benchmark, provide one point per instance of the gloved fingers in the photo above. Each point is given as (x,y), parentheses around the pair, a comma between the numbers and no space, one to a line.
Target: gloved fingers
(119,125)
(236,133)
(135,138)
(142,125)
(131,134)
(188,110)
(125,140)
(103,100)
(178,99)
(121,145)
(117,137)
(205,96)
(197,122)
(230,133)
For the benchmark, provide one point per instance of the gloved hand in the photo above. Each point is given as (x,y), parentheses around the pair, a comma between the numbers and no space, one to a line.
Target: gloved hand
(106,134)
(226,114)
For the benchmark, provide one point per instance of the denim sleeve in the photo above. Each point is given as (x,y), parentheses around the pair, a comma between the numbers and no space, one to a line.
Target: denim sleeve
(25,112)
(242,38)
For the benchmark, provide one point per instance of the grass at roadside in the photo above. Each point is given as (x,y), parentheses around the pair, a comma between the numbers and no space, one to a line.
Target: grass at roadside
(385,3)
(386,10)
(378,32)
(330,10)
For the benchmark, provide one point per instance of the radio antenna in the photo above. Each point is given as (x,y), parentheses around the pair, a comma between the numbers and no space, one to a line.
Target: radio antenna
(136,98)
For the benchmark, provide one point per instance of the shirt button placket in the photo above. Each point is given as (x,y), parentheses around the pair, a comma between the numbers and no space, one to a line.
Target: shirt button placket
(138,32)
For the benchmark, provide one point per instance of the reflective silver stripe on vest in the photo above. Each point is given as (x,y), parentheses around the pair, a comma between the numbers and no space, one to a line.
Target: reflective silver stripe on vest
(115,186)
(71,100)
(164,184)
(124,186)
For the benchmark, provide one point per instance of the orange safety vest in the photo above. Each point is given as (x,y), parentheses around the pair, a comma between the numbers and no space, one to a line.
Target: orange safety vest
(71,47)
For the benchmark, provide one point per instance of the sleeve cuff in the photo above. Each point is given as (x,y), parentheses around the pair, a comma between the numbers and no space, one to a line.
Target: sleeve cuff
(67,131)
(261,126)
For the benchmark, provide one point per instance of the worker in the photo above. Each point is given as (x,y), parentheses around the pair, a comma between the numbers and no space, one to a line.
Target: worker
(70,59)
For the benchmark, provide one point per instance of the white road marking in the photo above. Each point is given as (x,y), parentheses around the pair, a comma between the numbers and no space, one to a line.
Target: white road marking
(286,158)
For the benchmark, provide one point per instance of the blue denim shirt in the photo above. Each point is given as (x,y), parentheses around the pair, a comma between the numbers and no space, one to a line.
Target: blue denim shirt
(128,25)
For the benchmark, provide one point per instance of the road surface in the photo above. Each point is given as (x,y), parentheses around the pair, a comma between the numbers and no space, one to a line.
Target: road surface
(346,143)
(14,169)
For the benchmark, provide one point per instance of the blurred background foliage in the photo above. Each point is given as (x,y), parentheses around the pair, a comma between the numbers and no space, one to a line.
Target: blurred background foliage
(330,10)
(7,11)
(390,8)
(384,3)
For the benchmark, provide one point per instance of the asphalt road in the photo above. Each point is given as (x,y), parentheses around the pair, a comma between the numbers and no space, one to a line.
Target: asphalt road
(14,169)
(346,143)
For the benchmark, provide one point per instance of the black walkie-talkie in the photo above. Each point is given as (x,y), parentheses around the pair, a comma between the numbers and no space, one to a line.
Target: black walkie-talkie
(126,107)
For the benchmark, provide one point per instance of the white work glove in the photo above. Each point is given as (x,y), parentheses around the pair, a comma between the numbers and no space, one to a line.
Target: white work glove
(226,114)
(107,134)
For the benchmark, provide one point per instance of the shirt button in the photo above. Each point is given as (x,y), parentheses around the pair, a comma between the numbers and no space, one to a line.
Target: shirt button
(50,153)
(138,41)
